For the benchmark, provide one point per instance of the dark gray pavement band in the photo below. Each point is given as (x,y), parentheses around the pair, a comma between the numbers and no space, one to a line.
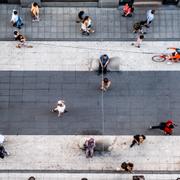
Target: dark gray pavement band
(60,24)
(135,101)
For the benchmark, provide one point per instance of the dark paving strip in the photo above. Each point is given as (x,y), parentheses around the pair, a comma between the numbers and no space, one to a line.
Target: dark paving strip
(94,39)
(135,101)
(88,171)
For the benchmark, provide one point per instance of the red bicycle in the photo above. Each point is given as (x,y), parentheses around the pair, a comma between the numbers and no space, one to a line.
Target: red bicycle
(164,57)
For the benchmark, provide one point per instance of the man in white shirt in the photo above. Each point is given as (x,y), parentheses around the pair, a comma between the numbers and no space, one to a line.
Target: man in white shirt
(150,17)
(14,17)
(60,108)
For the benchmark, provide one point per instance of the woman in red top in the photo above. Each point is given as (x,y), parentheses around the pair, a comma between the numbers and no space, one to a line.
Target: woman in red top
(167,127)
(127,10)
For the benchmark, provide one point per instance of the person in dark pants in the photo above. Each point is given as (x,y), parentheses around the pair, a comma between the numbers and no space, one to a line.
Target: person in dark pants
(103,62)
(138,139)
(167,127)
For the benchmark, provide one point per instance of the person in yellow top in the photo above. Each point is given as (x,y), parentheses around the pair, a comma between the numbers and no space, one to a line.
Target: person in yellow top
(35,11)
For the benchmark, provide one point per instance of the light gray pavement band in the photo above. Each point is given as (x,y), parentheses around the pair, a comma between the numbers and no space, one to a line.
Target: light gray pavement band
(83,56)
(60,24)
(63,153)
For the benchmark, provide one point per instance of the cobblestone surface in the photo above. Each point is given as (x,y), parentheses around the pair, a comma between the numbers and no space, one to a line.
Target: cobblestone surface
(60,24)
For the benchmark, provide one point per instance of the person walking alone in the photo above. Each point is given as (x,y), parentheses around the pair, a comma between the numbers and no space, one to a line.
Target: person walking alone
(167,127)
(60,108)
(138,139)
(35,11)
(16,20)
(105,84)
(139,40)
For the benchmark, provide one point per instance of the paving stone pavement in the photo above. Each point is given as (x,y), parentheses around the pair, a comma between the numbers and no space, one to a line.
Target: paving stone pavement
(135,101)
(59,24)
(62,153)
(63,176)
(138,98)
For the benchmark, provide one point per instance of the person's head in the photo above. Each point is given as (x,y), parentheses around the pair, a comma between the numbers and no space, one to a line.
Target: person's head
(171,126)
(153,11)
(35,4)
(106,80)
(31,178)
(84,179)
(143,137)
(131,165)
(141,36)
(91,140)
(15,12)
(16,33)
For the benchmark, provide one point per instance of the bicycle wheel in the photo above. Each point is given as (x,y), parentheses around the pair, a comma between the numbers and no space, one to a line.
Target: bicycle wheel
(158,58)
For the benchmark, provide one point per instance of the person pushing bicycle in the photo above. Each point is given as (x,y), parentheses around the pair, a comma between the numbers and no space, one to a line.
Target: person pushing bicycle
(175,55)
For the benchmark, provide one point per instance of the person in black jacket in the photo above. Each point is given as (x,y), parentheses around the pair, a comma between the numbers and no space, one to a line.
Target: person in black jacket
(3,152)
(138,139)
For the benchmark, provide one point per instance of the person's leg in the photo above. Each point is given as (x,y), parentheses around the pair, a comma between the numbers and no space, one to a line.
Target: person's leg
(155,127)
(133,143)
(105,70)
(87,152)
(100,69)
(91,151)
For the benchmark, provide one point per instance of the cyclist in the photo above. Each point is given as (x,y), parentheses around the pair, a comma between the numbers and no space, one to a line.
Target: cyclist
(175,55)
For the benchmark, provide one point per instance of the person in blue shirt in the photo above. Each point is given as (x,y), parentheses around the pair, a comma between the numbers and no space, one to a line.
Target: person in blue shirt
(103,62)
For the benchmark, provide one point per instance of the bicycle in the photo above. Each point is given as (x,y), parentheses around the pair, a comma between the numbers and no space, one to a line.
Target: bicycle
(164,57)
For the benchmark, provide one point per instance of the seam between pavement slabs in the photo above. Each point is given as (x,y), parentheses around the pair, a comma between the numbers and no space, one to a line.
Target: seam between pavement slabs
(88,171)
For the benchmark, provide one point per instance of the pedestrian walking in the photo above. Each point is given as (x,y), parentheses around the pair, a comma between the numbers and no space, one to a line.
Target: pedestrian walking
(149,17)
(86,26)
(103,63)
(22,40)
(16,20)
(138,27)
(138,139)
(167,127)
(105,84)
(139,40)
(89,147)
(35,11)
(3,152)
(60,108)
(127,166)
(128,10)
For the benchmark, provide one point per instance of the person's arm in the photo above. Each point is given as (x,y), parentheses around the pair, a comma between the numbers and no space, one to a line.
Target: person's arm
(109,83)
(106,63)
(100,61)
